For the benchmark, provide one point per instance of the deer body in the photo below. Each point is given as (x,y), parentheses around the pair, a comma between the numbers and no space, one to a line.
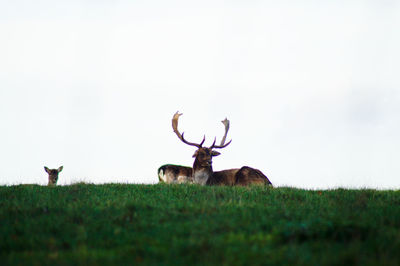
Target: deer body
(203,173)
(170,174)
(209,177)
(224,177)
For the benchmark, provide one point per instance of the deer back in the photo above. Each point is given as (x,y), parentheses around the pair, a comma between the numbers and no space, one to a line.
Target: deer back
(170,173)
(250,176)
(224,177)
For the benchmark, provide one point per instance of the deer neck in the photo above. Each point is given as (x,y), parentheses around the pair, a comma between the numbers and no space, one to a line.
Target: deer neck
(201,173)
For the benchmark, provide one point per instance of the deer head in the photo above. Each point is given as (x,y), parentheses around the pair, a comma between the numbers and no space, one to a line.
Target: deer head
(53,175)
(202,166)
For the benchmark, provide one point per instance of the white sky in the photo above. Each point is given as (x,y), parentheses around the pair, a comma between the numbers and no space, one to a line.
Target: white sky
(312,89)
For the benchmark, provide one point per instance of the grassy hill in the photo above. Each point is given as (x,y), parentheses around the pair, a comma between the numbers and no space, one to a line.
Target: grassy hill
(122,224)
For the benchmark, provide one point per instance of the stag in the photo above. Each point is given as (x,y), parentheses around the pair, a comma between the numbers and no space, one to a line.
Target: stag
(203,173)
(53,175)
(171,173)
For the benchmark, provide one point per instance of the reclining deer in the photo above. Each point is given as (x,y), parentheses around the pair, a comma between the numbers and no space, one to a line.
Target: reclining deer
(171,173)
(202,172)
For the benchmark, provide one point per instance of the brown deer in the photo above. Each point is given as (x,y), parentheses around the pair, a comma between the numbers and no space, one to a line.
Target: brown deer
(171,173)
(53,175)
(203,173)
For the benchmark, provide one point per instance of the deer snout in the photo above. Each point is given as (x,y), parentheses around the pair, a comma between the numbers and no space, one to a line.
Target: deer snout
(208,162)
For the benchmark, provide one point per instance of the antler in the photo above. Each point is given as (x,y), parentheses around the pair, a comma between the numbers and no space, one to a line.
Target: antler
(213,146)
(180,136)
(226,124)
(222,145)
(175,124)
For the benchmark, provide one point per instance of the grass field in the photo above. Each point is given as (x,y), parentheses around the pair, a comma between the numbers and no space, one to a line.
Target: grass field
(120,224)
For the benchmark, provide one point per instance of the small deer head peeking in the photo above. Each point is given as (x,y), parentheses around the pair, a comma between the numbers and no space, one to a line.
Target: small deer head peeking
(53,175)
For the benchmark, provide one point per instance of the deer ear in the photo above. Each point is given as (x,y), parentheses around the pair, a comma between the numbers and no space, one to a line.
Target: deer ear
(46,169)
(195,154)
(60,168)
(215,153)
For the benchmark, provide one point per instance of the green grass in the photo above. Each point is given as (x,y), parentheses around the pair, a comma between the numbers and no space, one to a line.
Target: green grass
(120,224)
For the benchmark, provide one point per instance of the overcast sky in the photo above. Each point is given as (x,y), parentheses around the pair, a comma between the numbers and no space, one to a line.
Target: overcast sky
(312,89)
